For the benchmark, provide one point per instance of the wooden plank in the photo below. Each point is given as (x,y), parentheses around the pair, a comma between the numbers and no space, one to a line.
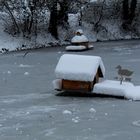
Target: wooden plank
(76,85)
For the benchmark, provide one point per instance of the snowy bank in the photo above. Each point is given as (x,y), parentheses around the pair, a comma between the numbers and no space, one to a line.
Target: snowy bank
(109,30)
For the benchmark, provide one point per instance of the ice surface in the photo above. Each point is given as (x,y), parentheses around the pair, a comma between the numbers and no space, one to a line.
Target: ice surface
(136,123)
(78,67)
(30,105)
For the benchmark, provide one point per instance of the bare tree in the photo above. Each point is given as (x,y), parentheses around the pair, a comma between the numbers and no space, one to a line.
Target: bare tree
(63,12)
(128,13)
(53,20)
(6,5)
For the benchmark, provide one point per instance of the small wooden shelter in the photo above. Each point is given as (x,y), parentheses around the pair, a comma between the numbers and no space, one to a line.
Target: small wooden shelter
(79,72)
(80,39)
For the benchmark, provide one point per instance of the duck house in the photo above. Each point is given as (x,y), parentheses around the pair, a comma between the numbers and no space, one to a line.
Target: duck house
(80,39)
(79,72)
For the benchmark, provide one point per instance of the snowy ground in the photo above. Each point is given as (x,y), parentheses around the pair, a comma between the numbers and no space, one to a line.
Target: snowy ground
(29,109)
(44,39)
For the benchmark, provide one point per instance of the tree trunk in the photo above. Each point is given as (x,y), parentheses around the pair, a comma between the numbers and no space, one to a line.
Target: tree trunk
(63,13)
(53,20)
(125,10)
(132,10)
(128,13)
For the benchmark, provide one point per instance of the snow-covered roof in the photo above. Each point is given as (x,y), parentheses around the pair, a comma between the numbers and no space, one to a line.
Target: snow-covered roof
(79,38)
(79,67)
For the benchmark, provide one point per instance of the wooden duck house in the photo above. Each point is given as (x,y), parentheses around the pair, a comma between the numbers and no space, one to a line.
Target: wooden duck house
(79,72)
(80,39)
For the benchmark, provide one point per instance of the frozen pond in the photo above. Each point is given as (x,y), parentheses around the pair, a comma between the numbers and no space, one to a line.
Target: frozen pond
(29,109)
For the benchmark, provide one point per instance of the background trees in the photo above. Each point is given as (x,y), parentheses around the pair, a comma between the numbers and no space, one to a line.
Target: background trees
(26,17)
(129,9)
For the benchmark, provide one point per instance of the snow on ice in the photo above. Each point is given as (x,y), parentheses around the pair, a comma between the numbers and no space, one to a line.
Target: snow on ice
(26,73)
(110,87)
(92,110)
(136,123)
(76,119)
(24,66)
(67,112)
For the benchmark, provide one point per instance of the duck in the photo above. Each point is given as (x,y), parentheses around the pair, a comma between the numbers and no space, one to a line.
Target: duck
(124,72)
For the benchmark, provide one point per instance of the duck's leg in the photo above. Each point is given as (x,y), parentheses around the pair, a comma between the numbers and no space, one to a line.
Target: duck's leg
(121,80)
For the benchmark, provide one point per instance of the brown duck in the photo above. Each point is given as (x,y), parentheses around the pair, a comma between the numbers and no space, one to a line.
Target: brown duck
(124,72)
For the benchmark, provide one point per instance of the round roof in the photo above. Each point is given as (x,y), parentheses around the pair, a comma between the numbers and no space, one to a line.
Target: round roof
(79,39)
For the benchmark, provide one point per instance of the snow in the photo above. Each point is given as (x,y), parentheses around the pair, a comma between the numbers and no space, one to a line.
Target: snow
(26,73)
(25,66)
(73,47)
(73,19)
(78,47)
(93,1)
(9,72)
(57,84)
(110,87)
(92,110)
(76,119)
(78,67)
(7,41)
(133,93)
(67,112)
(90,46)
(136,123)
(79,38)
(80,31)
